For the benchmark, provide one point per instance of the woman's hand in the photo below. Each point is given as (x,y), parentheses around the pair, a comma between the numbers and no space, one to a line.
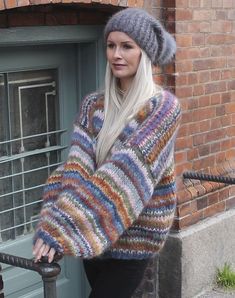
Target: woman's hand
(41,249)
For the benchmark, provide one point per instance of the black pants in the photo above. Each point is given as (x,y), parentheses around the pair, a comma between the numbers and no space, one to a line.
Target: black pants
(112,278)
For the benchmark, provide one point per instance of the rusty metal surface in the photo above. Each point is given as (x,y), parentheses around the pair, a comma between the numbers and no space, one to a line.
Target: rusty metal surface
(208,177)
(48,271)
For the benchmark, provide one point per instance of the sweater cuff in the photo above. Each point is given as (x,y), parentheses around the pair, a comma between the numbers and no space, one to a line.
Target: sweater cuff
(48,239)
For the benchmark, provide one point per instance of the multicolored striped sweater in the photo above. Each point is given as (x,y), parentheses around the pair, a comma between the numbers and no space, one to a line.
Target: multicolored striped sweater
(125,207)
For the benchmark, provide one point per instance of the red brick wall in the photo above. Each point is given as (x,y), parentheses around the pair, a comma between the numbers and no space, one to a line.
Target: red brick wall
(15,13)
(52,15)
(8,4)
(205,85)
(165,12)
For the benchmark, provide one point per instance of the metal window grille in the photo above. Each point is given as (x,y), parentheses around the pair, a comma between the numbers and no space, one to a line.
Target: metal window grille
(30,146)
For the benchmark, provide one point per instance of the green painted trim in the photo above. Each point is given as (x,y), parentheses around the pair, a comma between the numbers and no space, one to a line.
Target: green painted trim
(49,35)
(101,67)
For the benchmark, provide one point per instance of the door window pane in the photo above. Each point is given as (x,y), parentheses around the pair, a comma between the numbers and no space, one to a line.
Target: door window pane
(29,146)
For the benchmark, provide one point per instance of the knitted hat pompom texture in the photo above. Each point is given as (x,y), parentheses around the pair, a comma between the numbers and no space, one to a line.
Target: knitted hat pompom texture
(146,31)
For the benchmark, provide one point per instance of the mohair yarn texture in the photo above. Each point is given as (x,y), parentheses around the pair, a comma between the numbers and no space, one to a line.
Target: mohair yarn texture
(146,31)
(123,208)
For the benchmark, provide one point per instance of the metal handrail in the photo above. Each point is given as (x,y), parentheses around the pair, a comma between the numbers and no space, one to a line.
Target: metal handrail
(48,271)
(208,177)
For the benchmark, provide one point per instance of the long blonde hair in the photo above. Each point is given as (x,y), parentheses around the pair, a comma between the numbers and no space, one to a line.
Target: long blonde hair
(118,109)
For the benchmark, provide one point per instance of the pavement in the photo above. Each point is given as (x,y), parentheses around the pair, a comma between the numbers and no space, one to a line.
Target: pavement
(218,293)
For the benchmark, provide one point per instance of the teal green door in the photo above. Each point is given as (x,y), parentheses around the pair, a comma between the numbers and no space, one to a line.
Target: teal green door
(40,92)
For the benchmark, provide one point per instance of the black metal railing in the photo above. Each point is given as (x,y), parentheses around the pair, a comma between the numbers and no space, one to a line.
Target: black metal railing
(48,271)
(208,177)
(1,284)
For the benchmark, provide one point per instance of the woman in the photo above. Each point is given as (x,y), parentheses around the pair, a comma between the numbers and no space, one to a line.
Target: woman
(112,202)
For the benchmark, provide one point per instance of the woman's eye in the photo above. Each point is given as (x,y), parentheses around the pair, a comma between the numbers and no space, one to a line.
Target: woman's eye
(110,45)
(127,46)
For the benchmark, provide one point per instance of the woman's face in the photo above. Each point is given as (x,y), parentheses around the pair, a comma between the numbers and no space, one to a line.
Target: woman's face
(123,55)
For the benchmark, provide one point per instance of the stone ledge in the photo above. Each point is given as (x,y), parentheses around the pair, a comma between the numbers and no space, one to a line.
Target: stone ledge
(190,258)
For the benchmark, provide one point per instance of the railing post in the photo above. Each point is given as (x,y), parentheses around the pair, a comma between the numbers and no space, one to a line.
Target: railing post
(48,271)
(1,284)
(49,285)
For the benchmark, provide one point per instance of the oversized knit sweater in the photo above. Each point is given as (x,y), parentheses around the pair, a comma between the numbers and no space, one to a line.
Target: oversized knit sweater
(125,207)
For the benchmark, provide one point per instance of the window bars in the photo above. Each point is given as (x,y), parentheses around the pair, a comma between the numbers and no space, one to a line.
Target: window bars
(30,146)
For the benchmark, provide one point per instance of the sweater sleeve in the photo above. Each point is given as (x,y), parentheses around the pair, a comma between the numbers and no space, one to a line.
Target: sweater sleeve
(93,209)
(83,144)
(84,151)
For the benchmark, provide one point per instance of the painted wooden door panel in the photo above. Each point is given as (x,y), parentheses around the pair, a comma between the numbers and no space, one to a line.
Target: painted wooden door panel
(40,91)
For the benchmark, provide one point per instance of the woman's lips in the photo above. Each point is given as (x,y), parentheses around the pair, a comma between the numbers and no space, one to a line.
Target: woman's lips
(118,66)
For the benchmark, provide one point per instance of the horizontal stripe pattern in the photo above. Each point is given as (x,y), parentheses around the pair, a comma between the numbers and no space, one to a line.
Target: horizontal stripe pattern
(124,208)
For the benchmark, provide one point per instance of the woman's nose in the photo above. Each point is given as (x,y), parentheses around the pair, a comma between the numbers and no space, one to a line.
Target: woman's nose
(117,53)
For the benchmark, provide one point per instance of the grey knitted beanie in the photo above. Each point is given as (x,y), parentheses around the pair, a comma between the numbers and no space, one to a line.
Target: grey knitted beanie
(146,31)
